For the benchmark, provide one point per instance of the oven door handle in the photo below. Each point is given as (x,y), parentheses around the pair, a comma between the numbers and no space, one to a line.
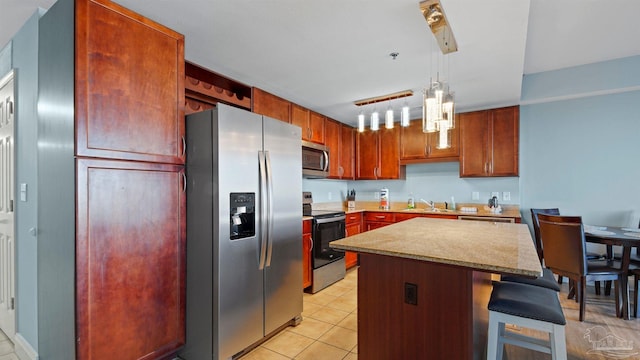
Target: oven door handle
(330,220)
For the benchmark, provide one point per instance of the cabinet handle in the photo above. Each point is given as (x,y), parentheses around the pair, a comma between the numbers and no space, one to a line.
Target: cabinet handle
(428,149)
(485,167)
(184,146)
(375,172)
(340,171)
(379,216)
(184,182)
(311,241)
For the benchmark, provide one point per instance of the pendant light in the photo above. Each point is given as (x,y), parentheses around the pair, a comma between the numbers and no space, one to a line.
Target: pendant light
(388,117)
(375,121)
(404,116)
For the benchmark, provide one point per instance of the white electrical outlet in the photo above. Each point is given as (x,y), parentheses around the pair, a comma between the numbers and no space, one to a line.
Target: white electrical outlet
(475,195)
(506,196)
(330,195)
(376,195)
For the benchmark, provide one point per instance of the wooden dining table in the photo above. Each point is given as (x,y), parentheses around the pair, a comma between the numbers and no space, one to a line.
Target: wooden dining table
(615,236)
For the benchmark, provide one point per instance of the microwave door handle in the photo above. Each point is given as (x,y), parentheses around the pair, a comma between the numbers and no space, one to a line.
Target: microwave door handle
(263,209)
(326,160)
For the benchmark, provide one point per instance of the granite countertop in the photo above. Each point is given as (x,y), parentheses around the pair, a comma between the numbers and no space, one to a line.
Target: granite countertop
(508,211)
(485,246)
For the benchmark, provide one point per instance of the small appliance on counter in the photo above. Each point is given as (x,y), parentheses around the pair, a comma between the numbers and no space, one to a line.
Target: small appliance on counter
(384,199)
(328,225)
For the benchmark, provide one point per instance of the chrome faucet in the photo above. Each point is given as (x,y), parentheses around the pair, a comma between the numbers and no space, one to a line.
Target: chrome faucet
(430,203)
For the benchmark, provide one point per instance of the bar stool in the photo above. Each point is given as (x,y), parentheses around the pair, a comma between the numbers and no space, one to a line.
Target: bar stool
(527,306)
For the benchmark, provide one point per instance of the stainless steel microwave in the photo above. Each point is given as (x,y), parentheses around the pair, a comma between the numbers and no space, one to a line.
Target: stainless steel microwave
(315,160)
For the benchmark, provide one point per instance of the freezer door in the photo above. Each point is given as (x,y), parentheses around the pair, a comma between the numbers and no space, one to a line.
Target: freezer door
(283,268)
(237,262)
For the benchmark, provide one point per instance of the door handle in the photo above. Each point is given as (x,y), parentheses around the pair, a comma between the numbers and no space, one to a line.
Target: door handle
(270,209)
(263,210)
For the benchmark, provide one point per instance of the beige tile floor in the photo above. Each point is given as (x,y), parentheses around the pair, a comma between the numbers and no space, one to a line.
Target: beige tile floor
(328,329)
(6,348)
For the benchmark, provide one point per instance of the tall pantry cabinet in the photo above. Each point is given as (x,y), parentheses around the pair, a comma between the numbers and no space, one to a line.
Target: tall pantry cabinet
(111,217)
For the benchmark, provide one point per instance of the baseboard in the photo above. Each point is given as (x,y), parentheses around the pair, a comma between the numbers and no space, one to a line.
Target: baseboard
(23,349)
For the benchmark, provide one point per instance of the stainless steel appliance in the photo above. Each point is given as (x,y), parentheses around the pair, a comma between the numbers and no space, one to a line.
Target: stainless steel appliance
(244,231)
(328,263)
(315,160)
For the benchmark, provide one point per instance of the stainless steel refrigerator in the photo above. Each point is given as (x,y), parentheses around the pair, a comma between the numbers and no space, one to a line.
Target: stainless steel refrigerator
(244,230)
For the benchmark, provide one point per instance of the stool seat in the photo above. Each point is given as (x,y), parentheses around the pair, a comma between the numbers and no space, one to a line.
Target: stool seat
(547,280)
(529,306)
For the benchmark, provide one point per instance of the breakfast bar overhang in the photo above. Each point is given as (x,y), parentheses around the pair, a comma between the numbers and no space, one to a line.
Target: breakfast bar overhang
(424,284)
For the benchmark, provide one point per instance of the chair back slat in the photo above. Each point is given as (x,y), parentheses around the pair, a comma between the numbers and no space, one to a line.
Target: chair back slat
(536,227)
(564,243)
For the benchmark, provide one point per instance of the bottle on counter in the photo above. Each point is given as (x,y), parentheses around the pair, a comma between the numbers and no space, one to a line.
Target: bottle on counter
(411,204)
(453,203)
(384,199)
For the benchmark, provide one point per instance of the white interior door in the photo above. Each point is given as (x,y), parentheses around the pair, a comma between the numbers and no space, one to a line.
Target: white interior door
(7,238)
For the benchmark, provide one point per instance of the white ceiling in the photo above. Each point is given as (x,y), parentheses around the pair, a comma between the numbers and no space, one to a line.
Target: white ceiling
(326,54)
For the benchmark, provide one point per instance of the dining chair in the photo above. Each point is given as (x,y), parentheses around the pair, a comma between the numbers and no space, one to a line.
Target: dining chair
(538,242)
(565,254)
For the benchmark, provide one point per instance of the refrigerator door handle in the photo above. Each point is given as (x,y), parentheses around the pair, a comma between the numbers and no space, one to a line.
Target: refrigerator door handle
(263,209)
(270,209)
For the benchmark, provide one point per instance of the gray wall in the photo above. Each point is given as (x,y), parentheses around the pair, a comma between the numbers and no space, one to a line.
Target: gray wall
(579,141)
(56,183)
(25,62)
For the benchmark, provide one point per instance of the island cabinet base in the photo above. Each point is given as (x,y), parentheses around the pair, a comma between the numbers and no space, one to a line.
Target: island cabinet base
(411,309)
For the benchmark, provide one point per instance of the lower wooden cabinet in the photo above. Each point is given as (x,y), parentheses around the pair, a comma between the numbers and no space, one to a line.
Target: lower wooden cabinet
(130,259)
(353,226)
(307,246)
(378,219)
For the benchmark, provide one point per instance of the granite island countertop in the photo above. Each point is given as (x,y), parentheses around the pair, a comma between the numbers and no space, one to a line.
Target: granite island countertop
(505,248)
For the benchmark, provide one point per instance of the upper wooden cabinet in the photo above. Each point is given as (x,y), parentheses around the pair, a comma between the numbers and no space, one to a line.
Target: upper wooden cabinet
(270,105)
(378,155)
(489,142)
(417,146)
(311,123)
(129,85)
(339,139)
(347,152)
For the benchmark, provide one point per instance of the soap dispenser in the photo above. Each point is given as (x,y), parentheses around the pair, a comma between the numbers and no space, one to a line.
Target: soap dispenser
(410,202)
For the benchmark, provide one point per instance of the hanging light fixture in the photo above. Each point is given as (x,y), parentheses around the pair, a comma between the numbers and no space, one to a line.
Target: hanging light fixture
(389,117)
(438,107)
(404,116)
(375,121)
(361,122)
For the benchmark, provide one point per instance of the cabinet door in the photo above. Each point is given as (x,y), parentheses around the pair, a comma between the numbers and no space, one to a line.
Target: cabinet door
(306,260)
(505,132)
(347,150)
(376,225)
(389,150)
(130,259)
(474,137)
(129,85)
(414,142)
(367,152)
(351,258)
(300,117)
(270,105)
(333,142)
(316,128)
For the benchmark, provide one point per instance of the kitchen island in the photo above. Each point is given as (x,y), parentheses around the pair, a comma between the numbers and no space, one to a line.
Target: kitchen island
(424,284)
